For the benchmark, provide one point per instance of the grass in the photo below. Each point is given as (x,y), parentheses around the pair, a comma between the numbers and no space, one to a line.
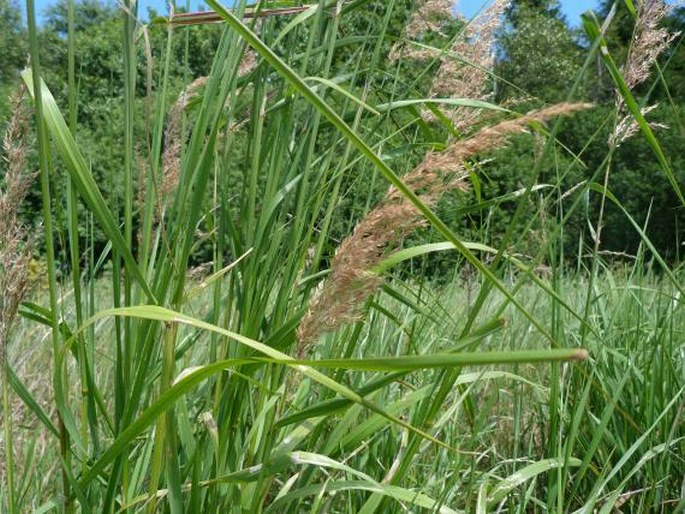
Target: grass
(173,394)
(620,425)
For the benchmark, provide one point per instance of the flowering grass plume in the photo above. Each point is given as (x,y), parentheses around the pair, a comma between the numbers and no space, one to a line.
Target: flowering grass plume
(173,137)
(173,140)
(15,247)
(341,297)
(15,256)
(465,68)
(468,76)
(649,42)
(429,16)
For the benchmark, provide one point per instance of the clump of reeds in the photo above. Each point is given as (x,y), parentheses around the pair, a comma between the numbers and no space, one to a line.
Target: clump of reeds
(341,297)
(15,256)
(650,40)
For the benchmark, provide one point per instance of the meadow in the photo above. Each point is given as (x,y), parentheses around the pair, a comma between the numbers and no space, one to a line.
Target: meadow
(276,305)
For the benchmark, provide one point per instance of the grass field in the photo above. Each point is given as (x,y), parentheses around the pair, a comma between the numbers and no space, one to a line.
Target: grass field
(606,433)
(298,373)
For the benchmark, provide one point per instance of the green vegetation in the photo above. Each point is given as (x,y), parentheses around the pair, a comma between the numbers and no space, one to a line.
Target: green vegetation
(338,258)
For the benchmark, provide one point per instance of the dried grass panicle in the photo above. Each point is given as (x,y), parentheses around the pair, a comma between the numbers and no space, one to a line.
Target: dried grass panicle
(173,140)
(649,42)
(429,17)
(341,297)
(469,76)
(248,62)
(352,280)
(15,242)
(476,47)
(627,127)
(496,136)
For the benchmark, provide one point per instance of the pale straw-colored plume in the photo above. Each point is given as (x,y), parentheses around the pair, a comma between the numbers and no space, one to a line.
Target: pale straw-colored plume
(15,254)
(248,62)
(649,42)
(173,141)
(15,243)
(173,137)
(429,17)
(341,297)
(468,75)
(627,127)
(475,47)
(465,68)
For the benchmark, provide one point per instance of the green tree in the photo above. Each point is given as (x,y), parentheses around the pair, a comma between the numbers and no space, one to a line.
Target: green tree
(538,52)
(99,78)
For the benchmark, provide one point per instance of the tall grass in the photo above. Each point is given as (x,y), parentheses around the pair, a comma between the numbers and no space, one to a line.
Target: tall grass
(172,393)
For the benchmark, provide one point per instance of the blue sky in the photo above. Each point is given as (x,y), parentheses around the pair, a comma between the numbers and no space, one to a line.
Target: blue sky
(572,8)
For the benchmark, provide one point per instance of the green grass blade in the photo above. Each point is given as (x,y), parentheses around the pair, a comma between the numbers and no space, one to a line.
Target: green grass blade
(525,474)
(444,360)
(84,181)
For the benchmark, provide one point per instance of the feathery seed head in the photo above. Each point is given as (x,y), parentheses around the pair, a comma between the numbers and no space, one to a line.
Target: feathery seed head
(173,140)
(468,76)
(15,244)
(429,17)
(341,297)
(248,62)
(649,41)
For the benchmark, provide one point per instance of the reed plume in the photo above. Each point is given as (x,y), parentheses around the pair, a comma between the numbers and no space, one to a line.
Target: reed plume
(173,137)
(173,141)
(429,17)
(650,40)
(340,299)
(15,244)
(15,256)
(469,76)
(464,71)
